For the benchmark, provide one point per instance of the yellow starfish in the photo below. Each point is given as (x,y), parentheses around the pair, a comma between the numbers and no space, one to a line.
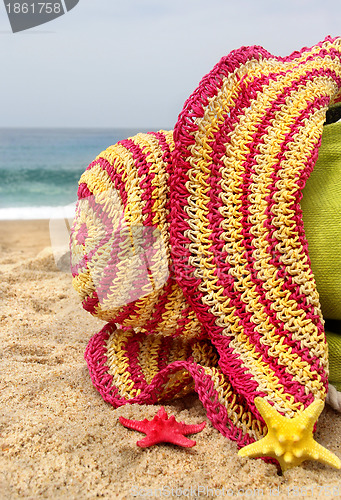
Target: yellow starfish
(290,440)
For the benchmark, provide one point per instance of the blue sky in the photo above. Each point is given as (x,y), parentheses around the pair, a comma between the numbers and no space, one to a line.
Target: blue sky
(133,63)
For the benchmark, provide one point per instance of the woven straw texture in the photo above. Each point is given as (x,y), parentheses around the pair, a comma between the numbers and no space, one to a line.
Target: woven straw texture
(191,246)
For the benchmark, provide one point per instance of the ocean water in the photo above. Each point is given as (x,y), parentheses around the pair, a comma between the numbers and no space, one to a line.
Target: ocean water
(40,168)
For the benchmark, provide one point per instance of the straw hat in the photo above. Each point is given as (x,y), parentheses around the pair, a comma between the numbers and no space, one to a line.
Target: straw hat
(191,246)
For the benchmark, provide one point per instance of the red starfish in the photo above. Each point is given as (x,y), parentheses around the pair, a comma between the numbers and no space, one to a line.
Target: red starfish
(163,429)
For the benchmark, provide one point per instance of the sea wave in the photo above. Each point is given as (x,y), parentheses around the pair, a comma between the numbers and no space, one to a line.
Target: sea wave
(42,212)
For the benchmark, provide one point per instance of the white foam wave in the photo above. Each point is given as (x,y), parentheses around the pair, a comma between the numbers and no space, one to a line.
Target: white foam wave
(31,213)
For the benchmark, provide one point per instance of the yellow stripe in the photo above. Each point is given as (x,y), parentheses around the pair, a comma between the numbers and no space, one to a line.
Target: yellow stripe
(124,164)
(118,364)
(237,414)
(242,418)
(175,381)
(174,306)
(148,356)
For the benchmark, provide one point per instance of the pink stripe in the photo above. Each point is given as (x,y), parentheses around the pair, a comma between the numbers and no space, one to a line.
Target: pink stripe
(83,191)
(90,303)
(106,223)
(114,175)
(145,176)
(132,350)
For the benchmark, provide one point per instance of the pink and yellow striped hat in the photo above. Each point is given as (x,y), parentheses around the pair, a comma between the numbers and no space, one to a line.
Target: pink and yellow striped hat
(191,246)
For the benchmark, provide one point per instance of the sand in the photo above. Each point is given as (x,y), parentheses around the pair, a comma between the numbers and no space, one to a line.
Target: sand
(59,439)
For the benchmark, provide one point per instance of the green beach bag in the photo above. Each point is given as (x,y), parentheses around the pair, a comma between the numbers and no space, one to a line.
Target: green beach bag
(321,206)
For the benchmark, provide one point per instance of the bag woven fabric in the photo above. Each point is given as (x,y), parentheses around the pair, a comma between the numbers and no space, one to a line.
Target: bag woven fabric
(334,344)
(191,246)
(321,207)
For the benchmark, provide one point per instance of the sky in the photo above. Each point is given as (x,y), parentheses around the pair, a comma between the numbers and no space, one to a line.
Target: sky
(133,63)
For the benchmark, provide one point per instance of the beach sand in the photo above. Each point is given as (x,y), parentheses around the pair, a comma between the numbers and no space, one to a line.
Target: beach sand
(59,439)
